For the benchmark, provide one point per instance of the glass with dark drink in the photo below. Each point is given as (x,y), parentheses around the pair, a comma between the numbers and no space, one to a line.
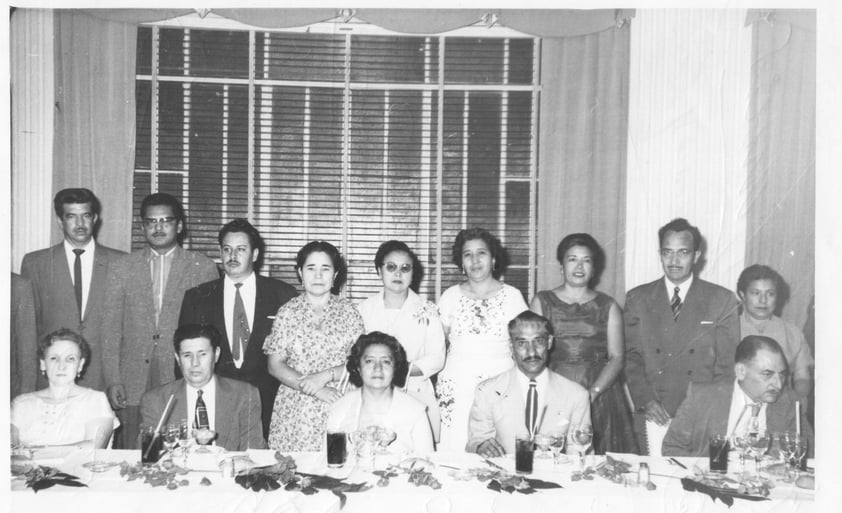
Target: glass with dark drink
(718,448)
(524,454)
(336,448)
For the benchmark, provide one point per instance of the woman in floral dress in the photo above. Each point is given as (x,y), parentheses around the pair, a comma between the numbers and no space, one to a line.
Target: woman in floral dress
(475,315)
(307,349)
(398,311)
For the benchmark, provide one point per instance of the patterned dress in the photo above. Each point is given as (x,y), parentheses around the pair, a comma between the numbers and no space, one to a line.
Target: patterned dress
(479,349)
(298,420)
(580,352)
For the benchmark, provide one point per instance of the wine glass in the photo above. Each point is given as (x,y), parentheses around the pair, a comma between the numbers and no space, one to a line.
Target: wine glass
(580,439)
(791,446)
(184,440)
(758,444)
(557,439)
(382,438)
(203,437)
(169,435)
(543,441)
(740,443)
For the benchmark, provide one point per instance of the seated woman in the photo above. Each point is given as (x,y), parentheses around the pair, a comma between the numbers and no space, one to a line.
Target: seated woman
(64,413)
(761,290)
(377,364)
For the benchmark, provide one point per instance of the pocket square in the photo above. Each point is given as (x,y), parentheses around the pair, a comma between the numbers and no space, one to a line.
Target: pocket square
(706,322)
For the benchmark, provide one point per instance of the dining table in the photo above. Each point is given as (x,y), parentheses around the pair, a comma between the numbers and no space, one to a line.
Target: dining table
(459,489)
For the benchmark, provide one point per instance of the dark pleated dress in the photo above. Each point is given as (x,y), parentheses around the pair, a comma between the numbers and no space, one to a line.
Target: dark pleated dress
(579,353)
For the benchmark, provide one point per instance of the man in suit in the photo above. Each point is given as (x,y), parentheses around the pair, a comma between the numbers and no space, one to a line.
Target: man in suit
(143,300)
(23,341)
(679,329)
(69,279)
(243,327)
(229,407)
(728,406)
(500,411)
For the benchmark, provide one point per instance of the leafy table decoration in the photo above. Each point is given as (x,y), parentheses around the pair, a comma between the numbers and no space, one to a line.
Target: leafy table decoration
(308,484)
(501,480)
(725,488)
(42,477)
(164,473)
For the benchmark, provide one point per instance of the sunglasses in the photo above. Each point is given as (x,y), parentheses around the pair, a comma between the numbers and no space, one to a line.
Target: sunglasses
(392,267)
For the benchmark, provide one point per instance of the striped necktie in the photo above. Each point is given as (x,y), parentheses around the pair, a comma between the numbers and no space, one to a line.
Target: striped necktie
(201,412)
(241,332)
(675,304)
(531,413)
(77,279)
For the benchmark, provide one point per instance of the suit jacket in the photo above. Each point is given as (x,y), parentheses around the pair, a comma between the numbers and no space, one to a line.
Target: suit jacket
(705,413)
(236,417)
(23,342)
(499,406)
(130,335)
(55,301)
(205,305)
(664,355)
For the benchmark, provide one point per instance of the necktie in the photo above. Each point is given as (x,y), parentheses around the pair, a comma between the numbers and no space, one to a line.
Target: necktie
(241,325)
(77,278)
(675,304)
(201,413)
(157,282)
(754,421)
(532,406)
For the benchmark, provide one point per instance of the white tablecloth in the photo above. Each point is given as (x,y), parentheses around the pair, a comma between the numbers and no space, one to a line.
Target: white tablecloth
(109,492)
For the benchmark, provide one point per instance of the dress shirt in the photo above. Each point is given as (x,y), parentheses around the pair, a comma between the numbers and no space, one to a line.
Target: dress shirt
(740,400)
(682,288)
(87,259)
(166,264)
(249,294)
(541,382)
(208,396)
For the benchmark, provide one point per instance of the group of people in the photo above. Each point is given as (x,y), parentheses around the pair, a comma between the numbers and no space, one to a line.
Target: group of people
(261,365)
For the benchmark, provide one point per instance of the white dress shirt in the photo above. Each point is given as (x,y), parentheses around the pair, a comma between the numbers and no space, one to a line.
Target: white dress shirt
(682,288)
(87,259)
(542,381)
(739,402)
(249,294)
(208,396)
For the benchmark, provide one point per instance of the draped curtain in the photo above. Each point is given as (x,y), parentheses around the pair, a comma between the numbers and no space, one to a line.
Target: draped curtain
(583,106)
(782,152)
(584,122)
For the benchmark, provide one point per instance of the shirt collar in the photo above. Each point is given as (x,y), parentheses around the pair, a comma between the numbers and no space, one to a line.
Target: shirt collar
(248,283)
(541,379)
(68,247)
(682,287)
(153,253)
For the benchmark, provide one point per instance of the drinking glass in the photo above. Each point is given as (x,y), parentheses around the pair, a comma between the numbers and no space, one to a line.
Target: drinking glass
(740,443)
(170,436)
(557,439)
(580,440)
(542,442)
(203,437)
(758,444)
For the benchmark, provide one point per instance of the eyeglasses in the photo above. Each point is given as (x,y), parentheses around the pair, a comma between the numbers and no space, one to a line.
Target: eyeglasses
(682,253)
(392,267)
(151,221)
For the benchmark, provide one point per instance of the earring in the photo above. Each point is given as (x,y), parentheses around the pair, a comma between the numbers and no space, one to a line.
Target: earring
(43,372)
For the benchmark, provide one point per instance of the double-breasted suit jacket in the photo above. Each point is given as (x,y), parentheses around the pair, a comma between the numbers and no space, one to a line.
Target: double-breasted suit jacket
(131,337)
(55,301)
(663,354)
(205,305)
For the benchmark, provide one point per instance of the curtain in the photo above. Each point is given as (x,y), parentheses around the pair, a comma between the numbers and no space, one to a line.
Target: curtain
(782,152)
(582,163)
(95,117)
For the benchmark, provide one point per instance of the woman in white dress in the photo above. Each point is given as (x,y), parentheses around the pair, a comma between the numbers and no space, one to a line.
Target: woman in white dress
(475,315)
(64,413)
(398,311)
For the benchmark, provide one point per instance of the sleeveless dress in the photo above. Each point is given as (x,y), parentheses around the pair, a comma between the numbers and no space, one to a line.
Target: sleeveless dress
(479,349)
(579,353)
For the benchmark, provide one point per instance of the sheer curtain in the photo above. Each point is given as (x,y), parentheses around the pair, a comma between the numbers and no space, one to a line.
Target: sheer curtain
(94,116)
(781,201)
(584,118)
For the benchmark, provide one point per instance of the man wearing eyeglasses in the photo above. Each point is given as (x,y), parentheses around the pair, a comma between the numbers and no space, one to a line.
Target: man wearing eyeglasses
(679,329)
(143,301)
(241,306)
(528,398)
(68,282)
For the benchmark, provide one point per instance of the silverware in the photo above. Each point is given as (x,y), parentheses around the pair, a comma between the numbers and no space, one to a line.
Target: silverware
(675,461)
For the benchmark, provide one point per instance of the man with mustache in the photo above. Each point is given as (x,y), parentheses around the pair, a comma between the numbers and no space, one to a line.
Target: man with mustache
(142,304)
(500,412)
(68,281)
(679,329)
(727,406)
(243,328)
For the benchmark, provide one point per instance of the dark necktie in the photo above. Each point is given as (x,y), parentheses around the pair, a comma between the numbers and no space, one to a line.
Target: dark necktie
(675,304)
(77,278)
(201,413)
(531,406)
(241,325)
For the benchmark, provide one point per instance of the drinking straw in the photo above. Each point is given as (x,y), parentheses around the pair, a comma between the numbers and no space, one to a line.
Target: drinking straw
(158,427)
(537,426)
(798,417)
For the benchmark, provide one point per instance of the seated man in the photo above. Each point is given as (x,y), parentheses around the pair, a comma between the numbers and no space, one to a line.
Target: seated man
(227,406)
(500,411)
(727,406)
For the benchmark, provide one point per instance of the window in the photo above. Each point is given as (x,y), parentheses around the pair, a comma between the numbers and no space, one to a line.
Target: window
(354,138)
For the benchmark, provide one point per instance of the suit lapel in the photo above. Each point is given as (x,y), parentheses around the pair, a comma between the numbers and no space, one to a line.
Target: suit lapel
(216,307)
(62,281)
(223,413)
(261,323)
(99,275)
